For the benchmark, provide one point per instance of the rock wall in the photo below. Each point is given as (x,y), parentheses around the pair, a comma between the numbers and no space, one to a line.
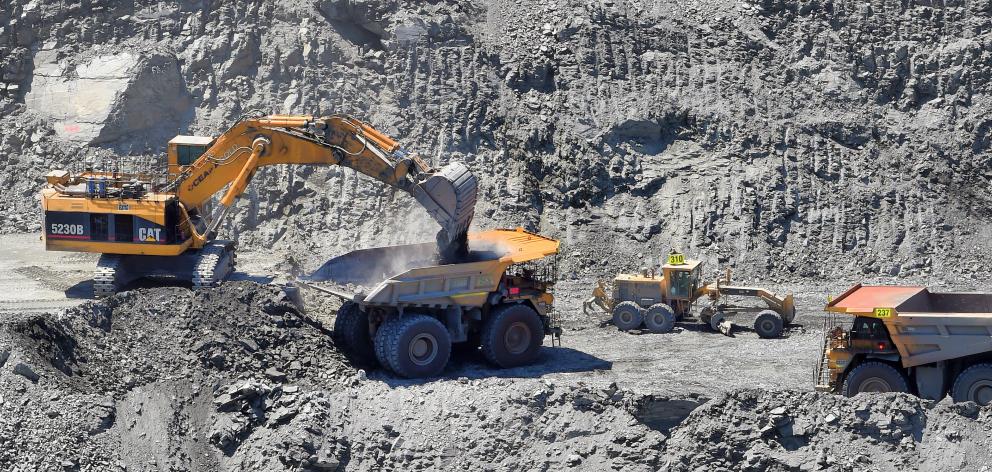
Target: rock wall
(803,139)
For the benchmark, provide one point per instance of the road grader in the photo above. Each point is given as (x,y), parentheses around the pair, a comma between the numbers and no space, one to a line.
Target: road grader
(656,301)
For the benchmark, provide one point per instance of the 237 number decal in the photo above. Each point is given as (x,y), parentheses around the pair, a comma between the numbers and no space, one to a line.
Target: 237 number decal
(67,229)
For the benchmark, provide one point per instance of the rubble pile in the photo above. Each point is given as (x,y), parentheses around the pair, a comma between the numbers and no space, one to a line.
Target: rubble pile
(233,378)
(787,430)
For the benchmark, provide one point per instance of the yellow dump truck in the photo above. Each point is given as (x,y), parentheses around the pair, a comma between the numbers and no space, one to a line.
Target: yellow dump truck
(404,311)
(909,339)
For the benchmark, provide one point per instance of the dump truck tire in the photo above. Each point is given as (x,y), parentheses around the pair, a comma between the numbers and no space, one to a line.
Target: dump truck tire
(512,336)
(874,376)
(417,346)
(380,343)
(974,384)
(627,316)
(351,334)
(660,318)
(768,324)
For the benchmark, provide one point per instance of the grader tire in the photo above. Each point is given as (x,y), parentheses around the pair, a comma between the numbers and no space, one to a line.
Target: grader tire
(768,324)
(351,334)
(974,384)
(873,376)
(627,316)
(660,318)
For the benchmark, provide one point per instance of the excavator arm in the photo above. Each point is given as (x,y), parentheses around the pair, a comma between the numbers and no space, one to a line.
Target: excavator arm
(448,194)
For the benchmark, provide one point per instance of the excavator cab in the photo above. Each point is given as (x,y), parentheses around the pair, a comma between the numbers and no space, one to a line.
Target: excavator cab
(185,150)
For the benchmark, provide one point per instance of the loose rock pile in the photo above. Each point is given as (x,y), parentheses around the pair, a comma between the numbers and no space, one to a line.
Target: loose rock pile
(759,430)
(234,378)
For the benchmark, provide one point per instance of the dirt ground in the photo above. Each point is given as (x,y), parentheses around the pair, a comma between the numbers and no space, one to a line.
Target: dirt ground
(692,360)
(231,379)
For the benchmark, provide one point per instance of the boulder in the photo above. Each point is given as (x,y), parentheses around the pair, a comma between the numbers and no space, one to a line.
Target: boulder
(125,99)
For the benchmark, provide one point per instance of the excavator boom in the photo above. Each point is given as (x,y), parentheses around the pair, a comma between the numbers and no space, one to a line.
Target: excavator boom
(448,194)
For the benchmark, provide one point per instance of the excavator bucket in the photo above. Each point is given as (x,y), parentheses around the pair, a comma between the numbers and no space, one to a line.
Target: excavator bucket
(449,196)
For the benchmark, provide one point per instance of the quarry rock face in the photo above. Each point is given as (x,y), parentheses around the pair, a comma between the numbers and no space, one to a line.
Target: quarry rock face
(107,98)
(779,139)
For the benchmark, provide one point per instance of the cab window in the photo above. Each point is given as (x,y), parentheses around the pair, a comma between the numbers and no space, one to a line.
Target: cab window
(869,328)
(680,284)
(187,154)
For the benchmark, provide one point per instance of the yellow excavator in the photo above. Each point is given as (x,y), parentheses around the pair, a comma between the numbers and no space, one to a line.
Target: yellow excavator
(156,226)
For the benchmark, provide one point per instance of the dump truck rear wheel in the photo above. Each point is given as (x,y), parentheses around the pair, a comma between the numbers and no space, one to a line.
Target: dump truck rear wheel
(974,384)
(660,318)
(627,316)
(351,334)
(416,346)
(768,324)
(512,336)
(874,377)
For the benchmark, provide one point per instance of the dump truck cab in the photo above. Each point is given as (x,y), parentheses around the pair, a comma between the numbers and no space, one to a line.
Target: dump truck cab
(908,339)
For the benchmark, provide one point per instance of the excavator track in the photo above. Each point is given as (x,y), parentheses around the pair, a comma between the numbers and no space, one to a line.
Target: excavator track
(213,266)
(105,276)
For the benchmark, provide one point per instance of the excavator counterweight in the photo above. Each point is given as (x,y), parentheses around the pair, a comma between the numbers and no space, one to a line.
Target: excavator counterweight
(159,226)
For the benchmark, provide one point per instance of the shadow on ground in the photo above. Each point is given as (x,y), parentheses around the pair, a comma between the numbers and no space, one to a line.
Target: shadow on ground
(472,365)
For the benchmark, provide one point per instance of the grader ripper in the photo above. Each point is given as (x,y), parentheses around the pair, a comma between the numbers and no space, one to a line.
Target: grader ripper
(657,301)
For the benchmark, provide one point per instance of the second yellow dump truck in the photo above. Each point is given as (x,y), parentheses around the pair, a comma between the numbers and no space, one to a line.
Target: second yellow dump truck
(909,339)
(404,311)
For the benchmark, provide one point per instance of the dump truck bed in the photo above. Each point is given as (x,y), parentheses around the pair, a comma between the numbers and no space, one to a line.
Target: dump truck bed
(925,326)
(409,275)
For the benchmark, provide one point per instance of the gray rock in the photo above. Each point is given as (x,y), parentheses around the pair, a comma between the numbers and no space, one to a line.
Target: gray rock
(24,370)
(275,374)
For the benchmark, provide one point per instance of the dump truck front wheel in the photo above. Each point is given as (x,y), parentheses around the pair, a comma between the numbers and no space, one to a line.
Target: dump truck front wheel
(874,376)
(660,318)
(768,324)
(627,316)
(416,346)
(974,384)
(512,336)
(351,334)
